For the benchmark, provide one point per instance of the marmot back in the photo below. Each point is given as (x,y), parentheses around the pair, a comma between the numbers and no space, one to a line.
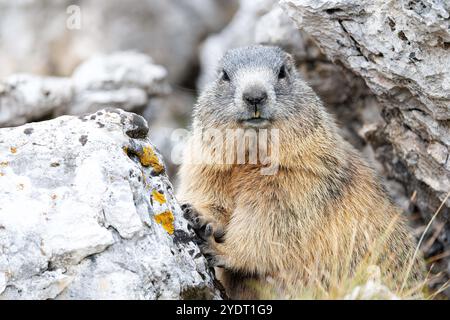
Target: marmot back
(319,214)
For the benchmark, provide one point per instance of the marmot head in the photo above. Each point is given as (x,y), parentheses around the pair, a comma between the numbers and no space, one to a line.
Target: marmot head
(255,87)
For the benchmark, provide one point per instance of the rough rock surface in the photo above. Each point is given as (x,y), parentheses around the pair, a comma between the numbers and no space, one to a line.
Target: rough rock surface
(401,50)
(87,212)
(25,97)
(126,79)
(48,46)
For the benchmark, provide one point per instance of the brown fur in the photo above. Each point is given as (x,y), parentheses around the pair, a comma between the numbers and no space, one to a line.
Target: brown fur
(324,204)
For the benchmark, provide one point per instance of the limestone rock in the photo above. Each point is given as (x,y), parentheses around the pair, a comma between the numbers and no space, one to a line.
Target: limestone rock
(399,49)
(51,44)
(25,97)
(126,79)
(87,212)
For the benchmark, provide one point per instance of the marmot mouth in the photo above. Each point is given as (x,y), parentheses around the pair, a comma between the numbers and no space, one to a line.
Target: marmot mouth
(256,123)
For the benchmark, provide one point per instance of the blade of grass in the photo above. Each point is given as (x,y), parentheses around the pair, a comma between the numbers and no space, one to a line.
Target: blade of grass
(421,240)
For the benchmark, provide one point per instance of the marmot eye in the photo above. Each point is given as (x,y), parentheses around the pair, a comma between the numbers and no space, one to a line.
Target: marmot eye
(225,76)
(282,72)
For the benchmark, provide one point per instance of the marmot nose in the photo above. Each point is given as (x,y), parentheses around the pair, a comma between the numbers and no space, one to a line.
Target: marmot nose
(254,97)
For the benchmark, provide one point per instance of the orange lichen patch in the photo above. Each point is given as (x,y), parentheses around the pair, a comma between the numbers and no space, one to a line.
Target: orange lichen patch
(149,158)
(158,197)
(166,220)
(4,163)
(20,186)
(13,149)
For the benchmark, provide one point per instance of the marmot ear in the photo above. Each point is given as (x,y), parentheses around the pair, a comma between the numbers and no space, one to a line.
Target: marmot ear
(290,61)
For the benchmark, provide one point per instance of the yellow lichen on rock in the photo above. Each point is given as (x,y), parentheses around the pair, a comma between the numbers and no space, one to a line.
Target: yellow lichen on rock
(149,158)
(13,150)
(166,219)
(158,197)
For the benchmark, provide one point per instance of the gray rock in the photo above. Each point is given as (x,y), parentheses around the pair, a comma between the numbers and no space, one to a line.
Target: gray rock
(399,50)
(87,212)
(169,31)
(126,79)
(276,28)
(26,97)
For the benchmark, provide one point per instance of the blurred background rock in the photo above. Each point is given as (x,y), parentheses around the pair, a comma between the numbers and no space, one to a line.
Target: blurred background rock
(379,66)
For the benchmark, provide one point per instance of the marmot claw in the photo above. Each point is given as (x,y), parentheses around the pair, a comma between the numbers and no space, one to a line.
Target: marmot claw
(204,228)
(213,259)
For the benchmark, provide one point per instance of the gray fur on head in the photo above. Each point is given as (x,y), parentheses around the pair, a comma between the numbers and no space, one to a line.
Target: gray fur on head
(253,57)
(256,68)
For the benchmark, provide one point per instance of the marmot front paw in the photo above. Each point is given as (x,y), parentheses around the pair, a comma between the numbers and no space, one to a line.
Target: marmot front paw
(208,235)
(209,246)
(199,223)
